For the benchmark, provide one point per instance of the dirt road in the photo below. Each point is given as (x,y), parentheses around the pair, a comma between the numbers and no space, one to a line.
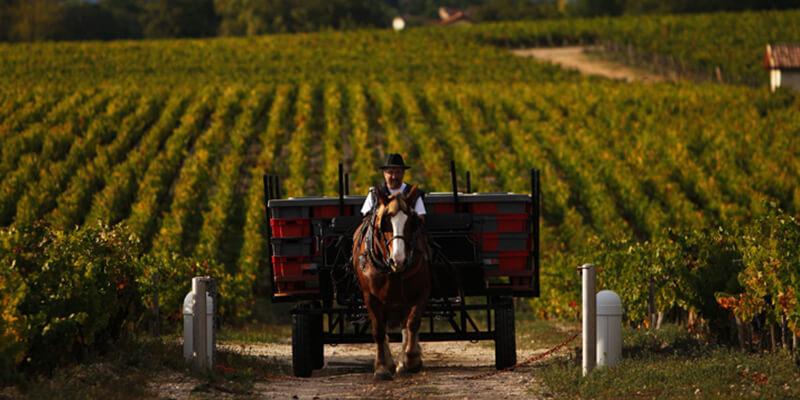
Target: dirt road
(348,375)
(580,58)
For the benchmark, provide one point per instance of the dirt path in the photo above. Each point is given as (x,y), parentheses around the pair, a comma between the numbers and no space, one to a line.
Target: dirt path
(348,375)
(580,58)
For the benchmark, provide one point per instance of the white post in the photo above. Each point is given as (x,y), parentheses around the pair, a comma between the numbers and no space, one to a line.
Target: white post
(609,328)
(203,334)
(589,318)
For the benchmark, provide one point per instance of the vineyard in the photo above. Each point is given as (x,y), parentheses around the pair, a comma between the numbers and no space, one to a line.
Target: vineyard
(693,45)
(116,194)
(723,46)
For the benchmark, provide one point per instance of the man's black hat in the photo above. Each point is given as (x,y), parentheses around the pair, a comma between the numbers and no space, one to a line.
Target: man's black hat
(394,160)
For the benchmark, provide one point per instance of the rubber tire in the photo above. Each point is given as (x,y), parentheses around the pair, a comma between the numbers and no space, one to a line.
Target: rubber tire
(302,341)
(505,341)
(318,349)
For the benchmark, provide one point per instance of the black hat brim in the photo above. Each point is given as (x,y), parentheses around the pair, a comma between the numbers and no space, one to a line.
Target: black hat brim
(395,166)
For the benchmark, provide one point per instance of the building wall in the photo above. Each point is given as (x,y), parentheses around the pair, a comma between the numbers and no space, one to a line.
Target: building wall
(774,79)
(790,79)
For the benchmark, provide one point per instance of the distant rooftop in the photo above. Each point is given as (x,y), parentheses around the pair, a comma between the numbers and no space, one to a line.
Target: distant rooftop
(450,16)
(782,56)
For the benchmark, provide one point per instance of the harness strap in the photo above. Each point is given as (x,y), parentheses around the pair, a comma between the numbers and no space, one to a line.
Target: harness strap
(378,255)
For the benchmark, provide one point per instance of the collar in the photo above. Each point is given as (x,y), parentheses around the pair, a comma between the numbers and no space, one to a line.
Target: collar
(395,191)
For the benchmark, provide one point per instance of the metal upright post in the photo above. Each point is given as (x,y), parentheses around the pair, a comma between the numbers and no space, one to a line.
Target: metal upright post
(454,183)
(341,189)
(269,193)
(536,213)
(200,325)
(589,311)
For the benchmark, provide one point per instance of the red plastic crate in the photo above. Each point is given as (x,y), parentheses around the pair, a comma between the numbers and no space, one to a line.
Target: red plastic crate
(443,208)
(287,269)
(484,208)
(511,223)
(514,261)
(508,261)
(499,208)
(290,228)
(493,241)
(330,211)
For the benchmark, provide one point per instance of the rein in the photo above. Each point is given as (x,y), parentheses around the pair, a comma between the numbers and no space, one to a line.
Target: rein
(380,256)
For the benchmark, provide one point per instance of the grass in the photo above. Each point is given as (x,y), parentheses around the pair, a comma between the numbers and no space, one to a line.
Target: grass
(256,333)
(135,367)
(671,364)
(534,334)
(666,364)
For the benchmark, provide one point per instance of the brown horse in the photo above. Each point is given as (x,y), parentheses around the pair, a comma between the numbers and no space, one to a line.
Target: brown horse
(391,259)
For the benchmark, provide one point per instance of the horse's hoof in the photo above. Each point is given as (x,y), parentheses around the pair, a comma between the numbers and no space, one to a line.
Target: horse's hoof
(404,368)
(383,375)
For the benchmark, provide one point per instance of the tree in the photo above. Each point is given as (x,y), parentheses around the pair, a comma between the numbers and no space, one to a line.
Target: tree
(126,17)
(496,10)
(247,17)
(34,19)
(179,18)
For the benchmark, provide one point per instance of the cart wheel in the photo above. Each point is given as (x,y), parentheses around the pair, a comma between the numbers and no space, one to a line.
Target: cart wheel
(302,343)
(505,341)
(318,349)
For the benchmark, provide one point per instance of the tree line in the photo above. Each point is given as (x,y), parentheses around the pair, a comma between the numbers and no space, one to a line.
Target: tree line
(36,20)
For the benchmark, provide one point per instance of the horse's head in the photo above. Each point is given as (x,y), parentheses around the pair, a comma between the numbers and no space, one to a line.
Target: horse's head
(396,222)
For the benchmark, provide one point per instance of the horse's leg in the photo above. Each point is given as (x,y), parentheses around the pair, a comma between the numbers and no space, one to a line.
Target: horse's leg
(378,317)
(411,360)
(390,365)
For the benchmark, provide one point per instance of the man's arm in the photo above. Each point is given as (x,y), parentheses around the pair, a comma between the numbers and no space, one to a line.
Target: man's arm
(419,208)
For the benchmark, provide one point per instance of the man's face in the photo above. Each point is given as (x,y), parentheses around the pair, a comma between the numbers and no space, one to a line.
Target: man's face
(393,177)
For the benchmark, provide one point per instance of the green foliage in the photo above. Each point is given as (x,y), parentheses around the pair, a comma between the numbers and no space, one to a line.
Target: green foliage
(671,364)
(771,257)
(65,293)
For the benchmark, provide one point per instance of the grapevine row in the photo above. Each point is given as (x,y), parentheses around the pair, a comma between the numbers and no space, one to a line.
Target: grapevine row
(112,204)
(178,229)
(161,172)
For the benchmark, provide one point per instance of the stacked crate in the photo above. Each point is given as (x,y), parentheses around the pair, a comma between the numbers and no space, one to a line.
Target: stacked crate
(503,232)
(297,227)
(501,228)
(294,265)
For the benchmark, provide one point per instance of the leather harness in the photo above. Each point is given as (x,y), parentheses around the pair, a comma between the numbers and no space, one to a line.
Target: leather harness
(378,255)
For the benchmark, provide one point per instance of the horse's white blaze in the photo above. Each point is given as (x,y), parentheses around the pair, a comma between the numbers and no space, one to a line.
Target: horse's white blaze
(399,245)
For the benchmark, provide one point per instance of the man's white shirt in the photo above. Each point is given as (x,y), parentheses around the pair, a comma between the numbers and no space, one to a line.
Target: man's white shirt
(419,208)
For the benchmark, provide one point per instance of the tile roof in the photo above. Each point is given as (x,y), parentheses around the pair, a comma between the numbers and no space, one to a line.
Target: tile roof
(782,56)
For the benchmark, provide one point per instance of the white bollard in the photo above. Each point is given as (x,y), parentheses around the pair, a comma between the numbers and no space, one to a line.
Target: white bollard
(609,328)
(190,351)
(589,318)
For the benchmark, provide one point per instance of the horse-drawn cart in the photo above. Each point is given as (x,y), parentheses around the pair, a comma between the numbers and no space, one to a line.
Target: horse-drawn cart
(485,251)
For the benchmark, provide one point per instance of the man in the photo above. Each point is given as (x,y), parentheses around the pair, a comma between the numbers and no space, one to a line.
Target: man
(393,170)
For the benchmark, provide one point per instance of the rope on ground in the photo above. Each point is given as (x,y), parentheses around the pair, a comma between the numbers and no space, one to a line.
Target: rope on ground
(529,360)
